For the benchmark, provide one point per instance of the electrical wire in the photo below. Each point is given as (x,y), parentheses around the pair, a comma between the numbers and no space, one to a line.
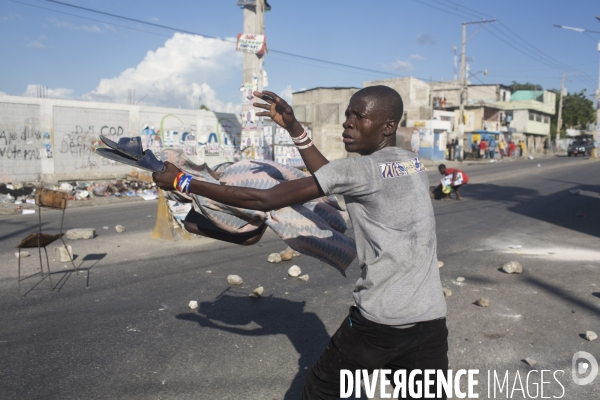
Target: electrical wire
(218,38)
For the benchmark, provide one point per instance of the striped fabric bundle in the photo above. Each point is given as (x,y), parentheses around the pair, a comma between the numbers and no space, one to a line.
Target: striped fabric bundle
(315,228)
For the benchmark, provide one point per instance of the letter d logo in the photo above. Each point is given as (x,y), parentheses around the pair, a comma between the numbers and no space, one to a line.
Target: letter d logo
(581,367)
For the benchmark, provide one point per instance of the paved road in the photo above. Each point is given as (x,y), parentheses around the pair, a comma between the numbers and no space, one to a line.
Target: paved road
(122,330)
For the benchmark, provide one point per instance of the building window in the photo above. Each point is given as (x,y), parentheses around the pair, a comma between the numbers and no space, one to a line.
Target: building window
(538,117)
(531,116)
(546,119)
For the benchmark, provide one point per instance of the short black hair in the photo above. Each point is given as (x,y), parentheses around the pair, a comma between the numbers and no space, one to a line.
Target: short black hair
(441,166)
(386,99)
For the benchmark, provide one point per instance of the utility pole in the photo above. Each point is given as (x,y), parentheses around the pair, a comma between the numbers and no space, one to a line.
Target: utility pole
(254,23)
(559,121)
(463,80)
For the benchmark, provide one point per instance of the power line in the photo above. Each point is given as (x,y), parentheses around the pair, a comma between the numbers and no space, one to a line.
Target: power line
(217,38)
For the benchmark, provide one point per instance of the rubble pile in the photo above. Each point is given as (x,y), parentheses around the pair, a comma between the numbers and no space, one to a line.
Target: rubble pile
(135,185)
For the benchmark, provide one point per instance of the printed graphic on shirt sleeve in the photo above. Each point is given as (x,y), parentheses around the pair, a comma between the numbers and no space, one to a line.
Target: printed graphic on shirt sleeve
(395,169)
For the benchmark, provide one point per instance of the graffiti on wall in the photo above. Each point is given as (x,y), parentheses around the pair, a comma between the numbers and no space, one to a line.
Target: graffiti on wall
(21,142)
(81,143)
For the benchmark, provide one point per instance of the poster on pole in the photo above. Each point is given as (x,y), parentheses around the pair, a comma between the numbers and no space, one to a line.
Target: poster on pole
(251,43)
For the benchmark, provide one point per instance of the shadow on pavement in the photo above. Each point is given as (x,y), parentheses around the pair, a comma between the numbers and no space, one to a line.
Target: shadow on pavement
(578,212)
(275,316)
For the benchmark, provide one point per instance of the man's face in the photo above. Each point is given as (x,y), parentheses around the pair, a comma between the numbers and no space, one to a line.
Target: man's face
(364,126)
(442,171)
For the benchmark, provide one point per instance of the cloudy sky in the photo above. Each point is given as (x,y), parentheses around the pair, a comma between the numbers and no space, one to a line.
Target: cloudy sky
(82,55)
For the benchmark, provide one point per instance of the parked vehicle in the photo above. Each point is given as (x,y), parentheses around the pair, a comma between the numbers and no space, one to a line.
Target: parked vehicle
(580,147)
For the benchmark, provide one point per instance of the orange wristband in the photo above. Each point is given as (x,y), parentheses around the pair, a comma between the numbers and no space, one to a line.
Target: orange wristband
(179,175)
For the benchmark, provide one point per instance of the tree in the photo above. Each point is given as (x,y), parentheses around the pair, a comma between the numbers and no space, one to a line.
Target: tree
(578,112)
(524,86)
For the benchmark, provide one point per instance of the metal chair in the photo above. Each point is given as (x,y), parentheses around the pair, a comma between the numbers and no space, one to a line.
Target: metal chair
(52,199)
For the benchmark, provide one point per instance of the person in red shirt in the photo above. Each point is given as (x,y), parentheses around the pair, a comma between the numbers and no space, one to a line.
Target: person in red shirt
(455,177)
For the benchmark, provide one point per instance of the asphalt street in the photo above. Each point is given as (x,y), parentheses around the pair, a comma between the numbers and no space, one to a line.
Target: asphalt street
(123,328)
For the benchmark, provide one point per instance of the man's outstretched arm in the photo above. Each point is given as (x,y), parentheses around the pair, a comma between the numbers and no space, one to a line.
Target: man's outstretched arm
(283,115)
(285,194)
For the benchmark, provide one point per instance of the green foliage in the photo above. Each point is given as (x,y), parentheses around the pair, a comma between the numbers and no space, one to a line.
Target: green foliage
(578,112)
(203,107)
(524,86)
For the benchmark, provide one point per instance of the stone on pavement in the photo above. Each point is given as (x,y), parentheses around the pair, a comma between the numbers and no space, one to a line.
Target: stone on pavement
(512,267)
(81,234)
(447,292)
(304,278)
(440,264)
(193,305)
(294,271)
(257,292)
(63,254)
(297,253)
(530,361)
(234,280)
(590,335)
(23,254)
(460,279)
(120,228)
(482,302)
(287,254)
(274,258)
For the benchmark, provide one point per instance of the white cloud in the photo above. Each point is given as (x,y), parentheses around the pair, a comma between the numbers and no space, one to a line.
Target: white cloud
(417,57)
(69,25)
(399,65)
(39,43)
(175,74)
(58,93)
(286,94)
(154,19)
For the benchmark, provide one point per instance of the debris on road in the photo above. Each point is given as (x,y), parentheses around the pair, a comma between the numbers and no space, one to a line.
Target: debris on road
(447,292)
(530,361)
(287,254)
(274,258)
(575,191)
(234,280)
(515,246)
(440,264)
(193,305)
(63,254)
(530,157)
(482,302)
(257,292)
(590,335)
(512,267)
(23,254)
(81,234)
(120,228)
(460,279)
(294,271)
(28,212)
(304,277)
(297,253)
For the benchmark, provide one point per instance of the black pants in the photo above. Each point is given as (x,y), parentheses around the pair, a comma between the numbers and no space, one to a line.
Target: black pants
(362,344)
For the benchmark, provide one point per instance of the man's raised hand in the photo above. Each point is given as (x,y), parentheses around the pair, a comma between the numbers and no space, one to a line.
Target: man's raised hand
(279,111)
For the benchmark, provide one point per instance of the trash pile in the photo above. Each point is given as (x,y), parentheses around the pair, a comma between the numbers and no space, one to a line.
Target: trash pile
(132,186)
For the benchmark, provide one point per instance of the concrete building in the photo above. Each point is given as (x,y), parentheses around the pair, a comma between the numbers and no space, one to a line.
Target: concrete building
(323,108)
(51,140)
(415,95)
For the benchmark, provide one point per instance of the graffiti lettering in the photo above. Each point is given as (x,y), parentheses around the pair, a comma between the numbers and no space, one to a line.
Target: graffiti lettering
(111,131)
(16,153)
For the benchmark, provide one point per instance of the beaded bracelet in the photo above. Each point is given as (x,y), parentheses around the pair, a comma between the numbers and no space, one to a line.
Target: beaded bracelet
(300,139)
(306,146)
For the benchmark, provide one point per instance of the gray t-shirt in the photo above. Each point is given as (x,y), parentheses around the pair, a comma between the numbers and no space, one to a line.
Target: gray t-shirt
(387,196)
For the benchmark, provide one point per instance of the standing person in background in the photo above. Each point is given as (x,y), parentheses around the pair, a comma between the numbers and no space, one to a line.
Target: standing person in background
(415,141)
(475,149)
(521,148)
(457,151)
(511,148)
(501,146)
(482,146)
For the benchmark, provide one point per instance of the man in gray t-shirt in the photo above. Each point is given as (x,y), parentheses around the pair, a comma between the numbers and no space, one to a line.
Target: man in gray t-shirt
(399,319)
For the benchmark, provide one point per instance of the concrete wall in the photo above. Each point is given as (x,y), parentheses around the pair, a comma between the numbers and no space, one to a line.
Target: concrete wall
(415,95)
(324,109)
(51,140)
